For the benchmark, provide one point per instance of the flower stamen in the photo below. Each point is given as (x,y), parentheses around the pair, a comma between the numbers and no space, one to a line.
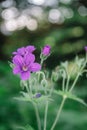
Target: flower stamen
(24,68)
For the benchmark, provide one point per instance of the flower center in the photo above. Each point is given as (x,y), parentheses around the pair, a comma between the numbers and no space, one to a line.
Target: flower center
(25,68)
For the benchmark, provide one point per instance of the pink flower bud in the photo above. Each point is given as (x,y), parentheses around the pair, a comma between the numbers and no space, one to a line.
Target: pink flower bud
(46,50)
(85,48)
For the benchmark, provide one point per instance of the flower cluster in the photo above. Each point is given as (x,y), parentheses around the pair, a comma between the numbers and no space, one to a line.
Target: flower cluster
(24,61)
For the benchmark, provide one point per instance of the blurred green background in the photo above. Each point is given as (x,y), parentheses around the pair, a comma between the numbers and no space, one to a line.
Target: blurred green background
(59,23)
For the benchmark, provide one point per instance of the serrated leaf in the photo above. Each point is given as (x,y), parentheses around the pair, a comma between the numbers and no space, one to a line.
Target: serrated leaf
(70,96)
(32,98)
(42,99)
(64,64)
(24,97)
(77,99)
(79,61)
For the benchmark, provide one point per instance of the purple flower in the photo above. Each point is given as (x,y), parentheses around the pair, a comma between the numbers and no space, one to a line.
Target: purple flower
(24,50)
(46,50)
(25,65)
(86,48)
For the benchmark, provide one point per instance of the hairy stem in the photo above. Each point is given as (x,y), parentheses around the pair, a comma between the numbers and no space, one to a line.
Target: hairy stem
(42,62)
(63,83)
(74,83)
(67,83)
(79,73)
(37,116)
(58,113)
(45,116)
(27,88)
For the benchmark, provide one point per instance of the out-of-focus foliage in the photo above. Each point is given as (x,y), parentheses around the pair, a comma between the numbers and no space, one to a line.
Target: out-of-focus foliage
(59,23)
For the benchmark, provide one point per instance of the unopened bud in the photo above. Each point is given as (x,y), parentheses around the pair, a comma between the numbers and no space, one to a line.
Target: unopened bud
(54,77)
(44,83)
(38,95)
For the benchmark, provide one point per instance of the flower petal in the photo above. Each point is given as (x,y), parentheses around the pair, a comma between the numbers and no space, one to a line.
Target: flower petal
(21,51)
(25,75)
(30,49)
(35,67)
(29,58)
(17,60)
(14,53)
(16,70)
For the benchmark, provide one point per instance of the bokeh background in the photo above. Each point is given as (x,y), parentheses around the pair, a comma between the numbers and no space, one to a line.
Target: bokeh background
(59,23)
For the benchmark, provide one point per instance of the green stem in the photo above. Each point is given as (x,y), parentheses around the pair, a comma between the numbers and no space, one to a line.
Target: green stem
(29,84)
(79,73)
(63,83)
(67,84)
(58,113)
(86,57)
(41,62)
(74,83)
(27,88)
(45,116)
(37,116)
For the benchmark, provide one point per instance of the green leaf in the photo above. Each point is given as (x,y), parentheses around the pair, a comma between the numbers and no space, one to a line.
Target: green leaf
(79,61)
(65,65)
(70,96)
(42,99)
(31,98)
(24,97)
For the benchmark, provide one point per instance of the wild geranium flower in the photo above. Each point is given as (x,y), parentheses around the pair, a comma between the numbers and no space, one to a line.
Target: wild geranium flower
(24,50)
(46,50)
(25,65)
(86,48)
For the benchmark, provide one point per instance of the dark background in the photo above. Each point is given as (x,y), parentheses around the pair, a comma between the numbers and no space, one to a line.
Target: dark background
(59,23)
